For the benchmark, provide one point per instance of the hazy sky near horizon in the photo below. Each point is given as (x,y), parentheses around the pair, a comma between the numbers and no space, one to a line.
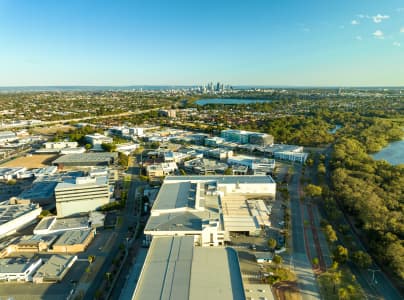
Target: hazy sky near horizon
(181,42)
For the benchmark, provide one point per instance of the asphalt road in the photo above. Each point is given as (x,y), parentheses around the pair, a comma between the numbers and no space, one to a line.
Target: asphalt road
(47,123)
(128,221)
(299,259)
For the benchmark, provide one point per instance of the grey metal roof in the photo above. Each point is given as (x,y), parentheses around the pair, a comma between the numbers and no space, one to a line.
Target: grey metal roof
(174,195)
(55,266)
(39,190)
(176,270)
(167,270)
(86,157)
(73,237)
(181,221)
(15,265)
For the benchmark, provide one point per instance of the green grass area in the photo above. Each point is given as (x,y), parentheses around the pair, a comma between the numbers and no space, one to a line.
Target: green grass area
(338,285)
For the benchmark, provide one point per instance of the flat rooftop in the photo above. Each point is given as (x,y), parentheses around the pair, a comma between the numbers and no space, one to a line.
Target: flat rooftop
(14,265)
(175,195)
(54,224)
(11,212)
(39,190)
(224,179)
(73,237)
(175,269)
(55,266)
(86,158)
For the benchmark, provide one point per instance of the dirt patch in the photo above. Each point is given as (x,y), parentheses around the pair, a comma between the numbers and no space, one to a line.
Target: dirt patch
(31,161)
(53,129)
(287,290)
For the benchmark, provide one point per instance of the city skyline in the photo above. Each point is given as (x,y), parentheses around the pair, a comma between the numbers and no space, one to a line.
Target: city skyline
(131,43)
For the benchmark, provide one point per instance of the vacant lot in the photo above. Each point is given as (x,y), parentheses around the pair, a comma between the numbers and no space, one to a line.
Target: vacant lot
(31,162)
(53,129)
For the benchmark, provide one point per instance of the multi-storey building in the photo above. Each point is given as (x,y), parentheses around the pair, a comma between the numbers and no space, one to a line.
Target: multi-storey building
(81,194)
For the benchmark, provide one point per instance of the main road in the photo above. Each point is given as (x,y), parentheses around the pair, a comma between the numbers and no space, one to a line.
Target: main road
(128,221)
(299,258)
(64,121)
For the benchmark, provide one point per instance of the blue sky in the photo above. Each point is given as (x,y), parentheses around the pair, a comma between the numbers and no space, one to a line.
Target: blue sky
(257,42)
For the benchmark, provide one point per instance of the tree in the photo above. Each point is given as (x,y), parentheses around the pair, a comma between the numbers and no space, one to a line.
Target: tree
(123,160)
(108,147)
(277,260)
(312,190)
(340,254)
(336,279)
(272,243)
(91,259)
(362,259)
(228,171)
(330,233)
(343,294)
(87,146)
(315,261)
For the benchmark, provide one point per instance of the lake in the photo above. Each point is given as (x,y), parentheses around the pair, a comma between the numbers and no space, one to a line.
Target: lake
(393,153)
(229,101)
(336,128)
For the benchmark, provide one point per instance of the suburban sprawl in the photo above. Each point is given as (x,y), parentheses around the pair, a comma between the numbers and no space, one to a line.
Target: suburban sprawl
(205,192)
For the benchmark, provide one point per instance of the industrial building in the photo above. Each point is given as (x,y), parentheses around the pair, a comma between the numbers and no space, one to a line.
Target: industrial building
(14,217)
(247,137)
(11,173)
(73,241)
(7,136)
(81,195)
(53,225)
(203,166)
(54,269)
(161,170)
(208,207)
(258,166)
(18,269)
(292,156)
(175,269)
(86,160)
(29,244)
(96,140)
(42,192)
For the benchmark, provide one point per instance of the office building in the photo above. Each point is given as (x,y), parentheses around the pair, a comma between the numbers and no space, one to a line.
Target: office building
(96,140)
(81,195)
(247,137)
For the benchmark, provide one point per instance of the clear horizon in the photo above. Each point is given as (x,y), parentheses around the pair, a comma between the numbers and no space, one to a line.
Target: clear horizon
(181,43)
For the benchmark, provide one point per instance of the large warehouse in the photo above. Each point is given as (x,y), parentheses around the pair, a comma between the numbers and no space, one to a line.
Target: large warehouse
(14,217)
(86,160)
(210,207)
(175,269)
